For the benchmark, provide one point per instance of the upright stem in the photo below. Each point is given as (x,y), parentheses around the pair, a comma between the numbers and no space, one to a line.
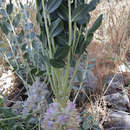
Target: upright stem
(70,37)
(74,34)
(47,30)
(50,48)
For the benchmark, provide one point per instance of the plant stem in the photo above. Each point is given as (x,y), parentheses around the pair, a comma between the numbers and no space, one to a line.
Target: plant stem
(49,43)
(15,117)
(70,37)
(78,92)
(77,40)
(74,34)
(47,30)
(73,76)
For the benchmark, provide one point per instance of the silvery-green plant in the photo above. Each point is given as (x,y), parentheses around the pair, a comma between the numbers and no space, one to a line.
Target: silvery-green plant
(25,54)
(65,38)
(61,118)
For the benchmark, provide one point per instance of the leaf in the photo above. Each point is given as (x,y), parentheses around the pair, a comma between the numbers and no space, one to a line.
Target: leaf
(21,5)
(33,71)
(62,12)
(89,39)
(61,52)
(92,5)
(85,19)
(4,27)
(14,69)
(96,24)
(9,8)
(46,59)
(80,14)
(39,4)
(1,102)
(35,44)
(80,2)
(82,45)
(20,36)
(43,38)
(52,5)
(3,13)
(8,26)
(85,125)
(16,20)
(30,35)
(56,28)
(56,63)
(40,73)
(39,18)
(61,40)
(26,55)
(79,76)
(7,113)
(79,48)
(28,26)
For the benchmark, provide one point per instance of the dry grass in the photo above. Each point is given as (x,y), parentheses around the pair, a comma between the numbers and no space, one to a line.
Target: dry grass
(97,109)
(111,45)
(111,41)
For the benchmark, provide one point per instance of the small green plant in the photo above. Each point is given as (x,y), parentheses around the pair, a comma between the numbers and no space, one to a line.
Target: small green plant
(10,120)
(65,38)
(25,53)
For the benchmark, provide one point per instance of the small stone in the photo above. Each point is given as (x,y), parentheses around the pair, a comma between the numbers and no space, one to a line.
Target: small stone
(118,101)
(113,84)
(118,120)
(91,82)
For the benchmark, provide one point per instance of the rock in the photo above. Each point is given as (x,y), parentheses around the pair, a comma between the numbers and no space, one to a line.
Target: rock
(17,107)
(88,87)
(123,68)
(118,101)
(10,84)
(118,120)
(113,84)
(88,79)
(91,82)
